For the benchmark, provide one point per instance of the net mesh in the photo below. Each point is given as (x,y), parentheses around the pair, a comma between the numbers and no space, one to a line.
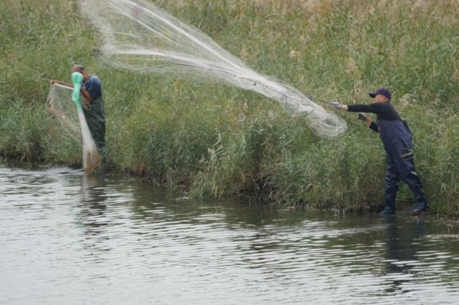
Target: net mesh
(140,37)
(61,106)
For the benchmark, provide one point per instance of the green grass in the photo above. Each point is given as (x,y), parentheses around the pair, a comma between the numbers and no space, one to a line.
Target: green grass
(220,141)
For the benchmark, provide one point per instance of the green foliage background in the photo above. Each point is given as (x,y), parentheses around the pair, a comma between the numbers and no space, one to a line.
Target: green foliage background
(220,141)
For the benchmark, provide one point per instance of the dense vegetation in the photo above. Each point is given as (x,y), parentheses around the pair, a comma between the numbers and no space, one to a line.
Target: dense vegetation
(221,141)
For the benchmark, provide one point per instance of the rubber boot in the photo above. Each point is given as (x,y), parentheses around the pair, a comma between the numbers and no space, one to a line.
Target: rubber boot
(421,207)
(389,208)
(422,203)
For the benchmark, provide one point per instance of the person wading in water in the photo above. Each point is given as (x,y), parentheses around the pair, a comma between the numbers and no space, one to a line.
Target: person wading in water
(93,107)
(396,137)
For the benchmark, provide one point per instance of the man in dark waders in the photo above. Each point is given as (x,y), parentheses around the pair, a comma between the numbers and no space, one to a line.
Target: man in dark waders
(93,108)
(396,137)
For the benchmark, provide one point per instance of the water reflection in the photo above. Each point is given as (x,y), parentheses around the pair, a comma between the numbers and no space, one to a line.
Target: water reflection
(92,210)
(68,238)
(403,239)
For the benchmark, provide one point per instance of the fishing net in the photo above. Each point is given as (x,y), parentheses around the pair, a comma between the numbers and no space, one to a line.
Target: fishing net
(62,107)
(140,37)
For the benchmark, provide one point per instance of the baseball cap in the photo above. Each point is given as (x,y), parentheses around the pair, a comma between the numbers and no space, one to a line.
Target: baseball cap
(382,91)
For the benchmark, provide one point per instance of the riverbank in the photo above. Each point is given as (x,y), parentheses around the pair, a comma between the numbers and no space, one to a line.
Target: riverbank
(220,141)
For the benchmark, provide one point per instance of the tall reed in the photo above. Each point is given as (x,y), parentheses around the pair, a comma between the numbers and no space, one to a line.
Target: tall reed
(221,141)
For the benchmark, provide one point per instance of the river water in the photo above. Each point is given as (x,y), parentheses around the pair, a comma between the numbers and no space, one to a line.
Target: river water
(68,238)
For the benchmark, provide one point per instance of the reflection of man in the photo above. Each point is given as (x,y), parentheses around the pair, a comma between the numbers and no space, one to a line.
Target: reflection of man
(93,207)
(401,247)
(93,107)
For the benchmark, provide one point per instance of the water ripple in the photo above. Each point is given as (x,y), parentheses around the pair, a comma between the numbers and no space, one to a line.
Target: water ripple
(68,238)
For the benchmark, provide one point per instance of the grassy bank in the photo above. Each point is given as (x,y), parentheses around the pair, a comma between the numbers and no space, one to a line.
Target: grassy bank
(221,141)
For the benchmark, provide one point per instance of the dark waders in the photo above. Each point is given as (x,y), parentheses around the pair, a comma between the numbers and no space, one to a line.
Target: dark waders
(396,138)
(95,118)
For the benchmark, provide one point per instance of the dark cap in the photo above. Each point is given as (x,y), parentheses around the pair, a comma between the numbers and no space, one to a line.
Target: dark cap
(382,91)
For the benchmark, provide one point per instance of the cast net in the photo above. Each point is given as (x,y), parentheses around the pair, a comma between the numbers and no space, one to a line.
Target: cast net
(138,36)
(73,121)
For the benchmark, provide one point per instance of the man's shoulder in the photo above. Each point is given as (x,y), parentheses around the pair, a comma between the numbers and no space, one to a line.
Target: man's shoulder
(94,79)
(93,82)
(93,86)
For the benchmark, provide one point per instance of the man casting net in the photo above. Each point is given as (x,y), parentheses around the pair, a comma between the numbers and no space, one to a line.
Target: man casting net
(73,121)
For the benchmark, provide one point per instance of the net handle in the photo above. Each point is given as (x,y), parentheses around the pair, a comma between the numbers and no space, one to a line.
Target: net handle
(62,86)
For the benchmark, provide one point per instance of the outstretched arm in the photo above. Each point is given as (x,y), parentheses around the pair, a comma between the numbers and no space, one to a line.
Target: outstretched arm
(383,110)
(82,90)
(52,82)
(376,108)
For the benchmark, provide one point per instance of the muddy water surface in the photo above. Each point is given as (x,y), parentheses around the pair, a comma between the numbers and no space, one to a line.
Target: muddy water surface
(69,238)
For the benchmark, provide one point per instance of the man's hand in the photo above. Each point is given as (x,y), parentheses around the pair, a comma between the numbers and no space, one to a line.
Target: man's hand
(336,105)
(52,82)
(361,116)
